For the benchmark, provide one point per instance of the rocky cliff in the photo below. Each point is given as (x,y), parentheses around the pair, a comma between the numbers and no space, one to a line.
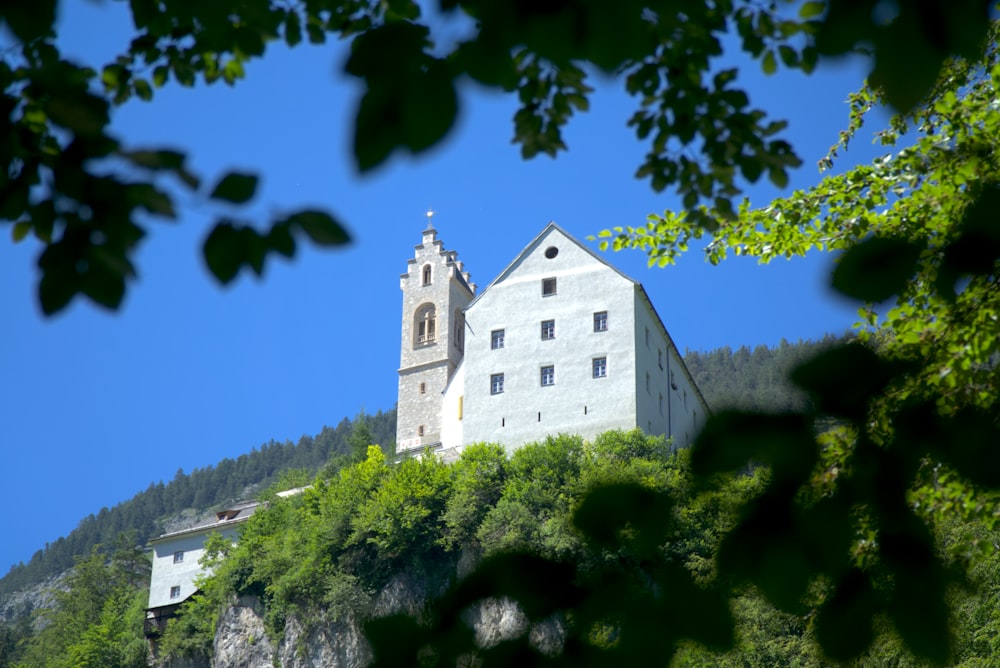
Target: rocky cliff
(241,641)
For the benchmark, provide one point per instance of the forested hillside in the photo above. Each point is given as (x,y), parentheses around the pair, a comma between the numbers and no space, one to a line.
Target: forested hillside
(146,513)
(753,379)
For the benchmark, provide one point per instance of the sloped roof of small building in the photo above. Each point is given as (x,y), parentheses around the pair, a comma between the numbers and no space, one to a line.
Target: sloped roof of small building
(235,514)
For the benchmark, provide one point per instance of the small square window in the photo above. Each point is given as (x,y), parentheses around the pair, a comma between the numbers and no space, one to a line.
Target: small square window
(548,287)
(179,557)
(548,329)
(548,376)
(175,591)
(496,383)
(600,367)
(601,321)
(496,339)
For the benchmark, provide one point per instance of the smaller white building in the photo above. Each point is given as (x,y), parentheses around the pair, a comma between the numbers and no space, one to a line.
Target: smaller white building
(176,566)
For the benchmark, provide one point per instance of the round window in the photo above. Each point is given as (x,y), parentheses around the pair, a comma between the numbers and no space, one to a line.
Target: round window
(551,252)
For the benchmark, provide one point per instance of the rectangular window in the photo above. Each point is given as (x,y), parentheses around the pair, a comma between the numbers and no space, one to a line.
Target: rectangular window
(659,358)
(601,321)
(600,367)
(496,383)
(548,376)
(647,382)
(496,339)
(647,337)
(175,592)
(179,557)
(548,287)
(548,329)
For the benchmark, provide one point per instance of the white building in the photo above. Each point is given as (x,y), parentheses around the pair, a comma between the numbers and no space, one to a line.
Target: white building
(176,564)
(559,342)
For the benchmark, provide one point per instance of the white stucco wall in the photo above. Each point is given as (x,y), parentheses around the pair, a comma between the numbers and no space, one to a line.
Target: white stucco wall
(577,403)
(683,410)
(453,410)
(167,574)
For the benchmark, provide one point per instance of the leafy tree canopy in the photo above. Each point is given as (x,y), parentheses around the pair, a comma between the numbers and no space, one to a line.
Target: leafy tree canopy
(916,406)
(89,197)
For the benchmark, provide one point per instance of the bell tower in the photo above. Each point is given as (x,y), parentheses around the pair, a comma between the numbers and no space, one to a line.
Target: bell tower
(432,343)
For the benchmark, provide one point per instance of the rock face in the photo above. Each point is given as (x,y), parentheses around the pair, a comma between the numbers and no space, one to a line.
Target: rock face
(240,641)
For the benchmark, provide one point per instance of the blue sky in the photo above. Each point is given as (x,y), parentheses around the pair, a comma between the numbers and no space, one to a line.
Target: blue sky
(96,405)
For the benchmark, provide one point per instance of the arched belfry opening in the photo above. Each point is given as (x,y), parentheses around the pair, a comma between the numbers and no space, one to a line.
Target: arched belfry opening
(436,290)
(425,325)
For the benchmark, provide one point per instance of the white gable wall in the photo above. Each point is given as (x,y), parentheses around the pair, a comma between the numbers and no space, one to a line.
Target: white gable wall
(576,403)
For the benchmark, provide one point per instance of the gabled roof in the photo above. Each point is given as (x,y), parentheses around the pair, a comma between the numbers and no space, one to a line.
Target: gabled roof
(532,245)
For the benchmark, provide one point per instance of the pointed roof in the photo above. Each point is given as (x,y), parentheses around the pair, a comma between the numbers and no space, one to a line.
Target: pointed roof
(535,243)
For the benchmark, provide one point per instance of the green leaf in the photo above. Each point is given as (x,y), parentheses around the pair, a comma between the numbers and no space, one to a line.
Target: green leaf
(789,56)
(155,159)
(235,187)
(21,230)
(770,63)
(877,268)
(223,253)
(102,282)
(844,624)
(55,291)
(152,200)
(143,89)
(607,511)
(163,159)
(320,227)
(29,20)
(249,41)
(811,9)
(293,28)
(732,439)
(160,75)
(778,176)
(843,380)
(395,640)
(85,114)
(280,239)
